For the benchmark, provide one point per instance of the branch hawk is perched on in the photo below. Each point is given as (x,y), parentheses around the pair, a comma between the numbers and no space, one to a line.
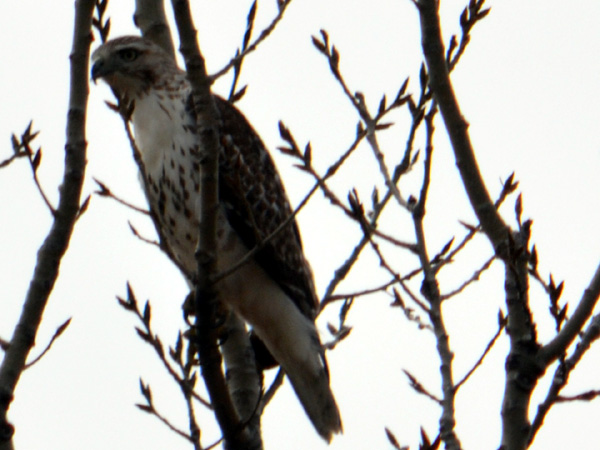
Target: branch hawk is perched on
(274,293)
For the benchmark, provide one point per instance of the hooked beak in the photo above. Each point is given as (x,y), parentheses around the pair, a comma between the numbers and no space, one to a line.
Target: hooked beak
(99,70)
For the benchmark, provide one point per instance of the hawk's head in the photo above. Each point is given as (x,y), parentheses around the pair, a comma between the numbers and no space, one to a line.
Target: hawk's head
(131,65)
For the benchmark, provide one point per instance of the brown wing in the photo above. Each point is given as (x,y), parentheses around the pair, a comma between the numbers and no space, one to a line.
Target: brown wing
(256,205)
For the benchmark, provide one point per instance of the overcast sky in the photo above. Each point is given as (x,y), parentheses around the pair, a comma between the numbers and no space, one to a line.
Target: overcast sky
(528,86)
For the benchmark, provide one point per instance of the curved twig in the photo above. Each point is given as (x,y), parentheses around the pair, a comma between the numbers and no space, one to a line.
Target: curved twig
(56,243)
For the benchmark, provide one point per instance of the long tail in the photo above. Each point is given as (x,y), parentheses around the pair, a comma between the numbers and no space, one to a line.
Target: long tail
(294,343)
(313,390)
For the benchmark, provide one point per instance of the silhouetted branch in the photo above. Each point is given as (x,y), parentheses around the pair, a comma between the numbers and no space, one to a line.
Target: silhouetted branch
(508,187)
(12,158)
(149,408)
(586,396)
(265,33)
(23,146)
(248,257)
(393,440)
(501,325)
(402,168)
(183,373)
(59,331)
(430,290)
(151,20)
(457,127)
(234,94)
(409,312)
(186,379)
(381,288)
(270,392)
(419,388)
(472,279)
(104,191)
(57,241)
(341,331)
(372,124)
(558,346)
(102,26)
(472,14)
(235,433)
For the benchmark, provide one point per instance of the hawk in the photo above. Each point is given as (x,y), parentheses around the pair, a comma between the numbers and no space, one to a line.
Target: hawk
(275,292)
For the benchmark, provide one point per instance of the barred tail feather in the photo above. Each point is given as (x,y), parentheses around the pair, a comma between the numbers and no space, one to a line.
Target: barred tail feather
(316,397)
(290,337)
(293,341)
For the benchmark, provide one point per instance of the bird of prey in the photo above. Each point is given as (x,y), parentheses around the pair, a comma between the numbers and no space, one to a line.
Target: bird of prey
(275,292)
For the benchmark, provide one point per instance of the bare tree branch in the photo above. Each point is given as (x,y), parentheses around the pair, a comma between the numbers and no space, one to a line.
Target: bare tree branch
(559,345)
(182,379)
(57,240)
(59,331)
(270,393)
(403,167)
(235,433)
(431,292)
(457,127)
(501,325)
(419,388)
(573,326)
(234,94)
(22,147)
(12,158)
(151,409)
(471,280)
(359,103)
(249,48)
(151,19)
(104,191)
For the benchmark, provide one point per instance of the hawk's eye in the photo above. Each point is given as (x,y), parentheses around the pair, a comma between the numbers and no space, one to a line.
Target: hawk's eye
(128,54)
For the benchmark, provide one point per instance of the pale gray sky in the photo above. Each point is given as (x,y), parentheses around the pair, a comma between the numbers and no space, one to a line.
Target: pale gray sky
(528,85)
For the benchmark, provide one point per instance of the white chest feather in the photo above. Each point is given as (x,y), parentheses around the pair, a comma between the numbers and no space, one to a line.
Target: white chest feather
(161,127)
(164,135)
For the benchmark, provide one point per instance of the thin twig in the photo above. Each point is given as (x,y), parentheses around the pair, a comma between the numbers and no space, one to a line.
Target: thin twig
(104,191)
(392,240)
(358,101)
(60,330)
(235,95)
(55,245)
(472,279)
(250,254)
(508,187)
(23,145)
(150,409)
(252,47)
(12,158)
(137,234)
(582,397)
(402,168)
(457,127)
(430,291)
(36,180)
(501,325)
(361,293)
(270,392)
(236,434)
(130,303)
(561,342)
(418,387)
